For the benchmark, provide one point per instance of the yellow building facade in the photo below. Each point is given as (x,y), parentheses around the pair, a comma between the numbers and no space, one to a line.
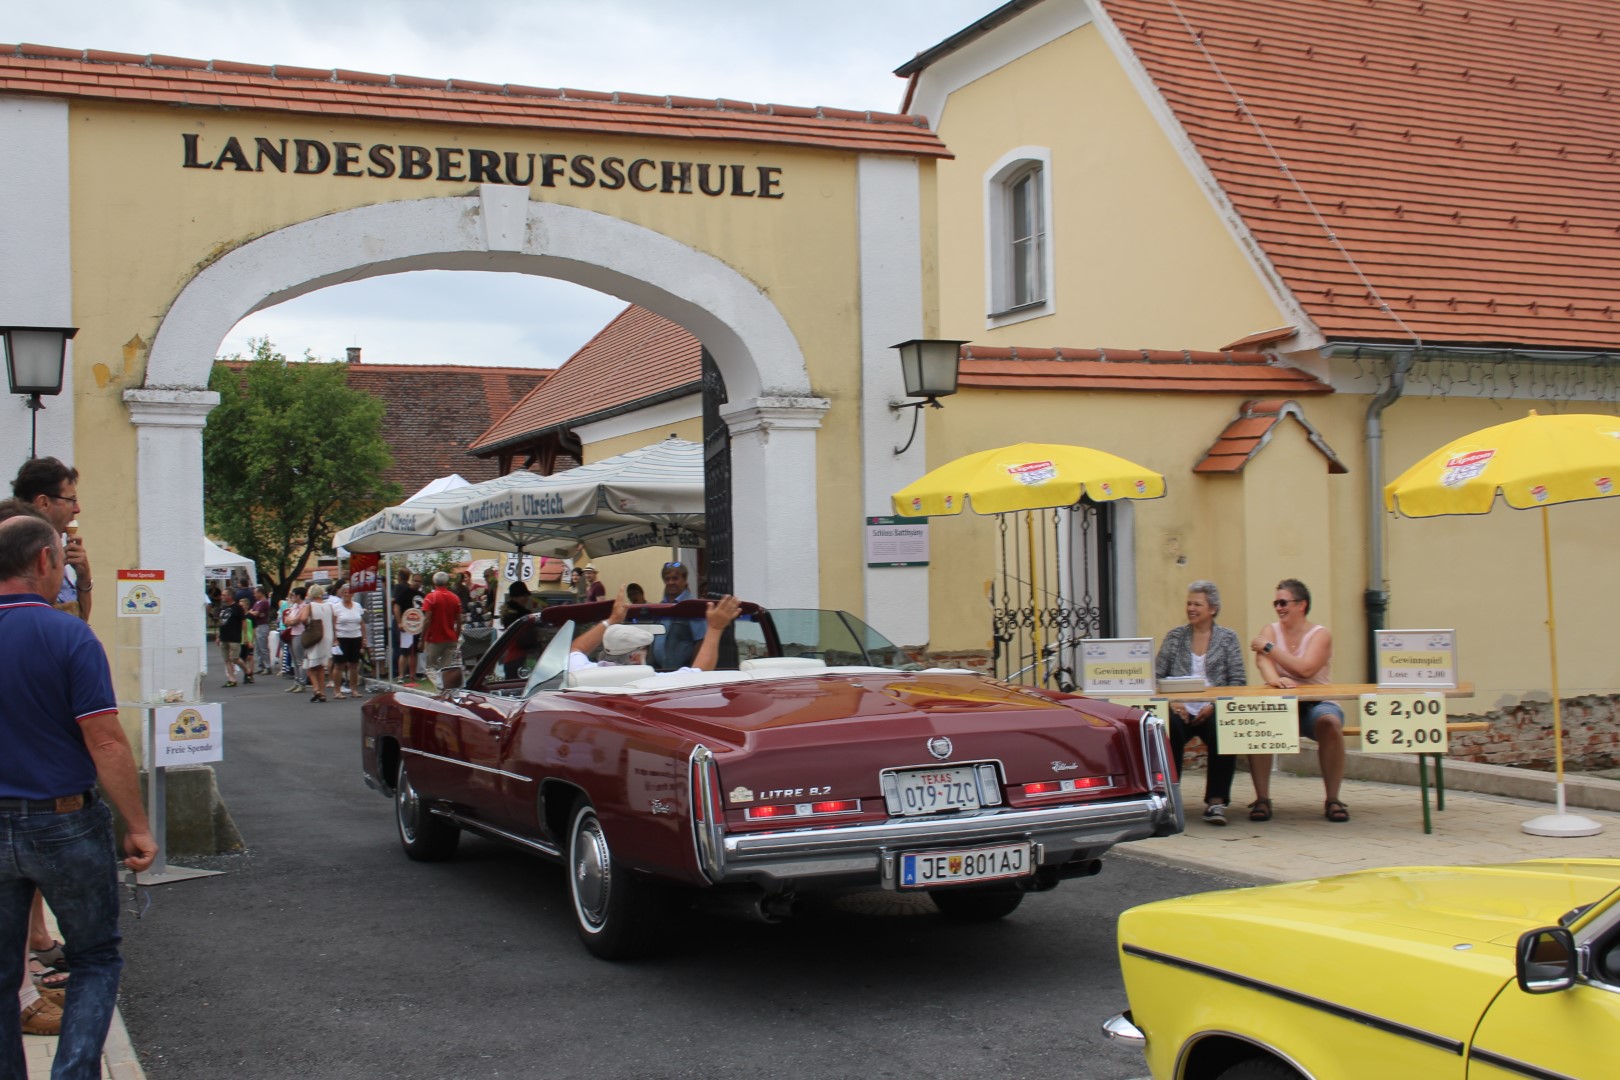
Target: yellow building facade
(154,228)
(1056,197)
(1139,241)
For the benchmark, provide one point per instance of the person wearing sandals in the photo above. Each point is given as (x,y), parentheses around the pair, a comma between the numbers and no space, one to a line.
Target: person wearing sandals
(1295,652)
(318,654)
(1214,653)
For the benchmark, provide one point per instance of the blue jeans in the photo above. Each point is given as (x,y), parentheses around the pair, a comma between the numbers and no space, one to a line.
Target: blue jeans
(71,859)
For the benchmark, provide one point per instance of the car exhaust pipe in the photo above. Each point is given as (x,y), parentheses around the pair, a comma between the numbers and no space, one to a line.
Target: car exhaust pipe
(1079,869)
(768,908)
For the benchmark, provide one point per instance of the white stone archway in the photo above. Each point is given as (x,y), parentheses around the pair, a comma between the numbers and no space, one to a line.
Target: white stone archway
(772,412)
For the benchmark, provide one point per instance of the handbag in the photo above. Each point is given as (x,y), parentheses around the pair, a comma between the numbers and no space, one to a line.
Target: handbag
(312,634)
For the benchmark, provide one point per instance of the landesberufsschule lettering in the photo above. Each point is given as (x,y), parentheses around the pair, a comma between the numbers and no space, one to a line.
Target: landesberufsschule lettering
(456,164)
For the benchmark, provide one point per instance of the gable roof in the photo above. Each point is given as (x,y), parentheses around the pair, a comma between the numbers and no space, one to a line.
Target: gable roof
(1463,155)
(224,84)
(1016,368)
(636,358)
(1247,435)
(433,412)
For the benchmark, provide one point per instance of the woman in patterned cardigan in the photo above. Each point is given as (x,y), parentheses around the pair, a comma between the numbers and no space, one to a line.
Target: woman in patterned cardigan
(1201,648)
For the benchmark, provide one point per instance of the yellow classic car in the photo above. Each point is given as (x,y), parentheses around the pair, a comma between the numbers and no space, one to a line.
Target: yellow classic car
(1409,973)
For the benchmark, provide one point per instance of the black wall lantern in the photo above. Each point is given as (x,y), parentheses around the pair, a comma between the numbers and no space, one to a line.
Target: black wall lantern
(929,367)
(35,358)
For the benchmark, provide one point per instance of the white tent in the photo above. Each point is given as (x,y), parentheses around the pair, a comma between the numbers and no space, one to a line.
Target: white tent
(443,483)
(642,498)
(432,487)
(218,563)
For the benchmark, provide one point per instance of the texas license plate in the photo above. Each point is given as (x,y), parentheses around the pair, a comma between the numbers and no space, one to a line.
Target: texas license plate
(924,869)
(931,791)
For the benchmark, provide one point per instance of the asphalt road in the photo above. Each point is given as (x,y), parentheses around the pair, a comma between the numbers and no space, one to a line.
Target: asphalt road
(324,952)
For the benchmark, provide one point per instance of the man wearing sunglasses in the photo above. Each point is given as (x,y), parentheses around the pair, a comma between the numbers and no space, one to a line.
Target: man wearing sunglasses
(52,488)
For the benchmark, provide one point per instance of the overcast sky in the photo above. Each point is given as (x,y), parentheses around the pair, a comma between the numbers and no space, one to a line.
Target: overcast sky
(829,52)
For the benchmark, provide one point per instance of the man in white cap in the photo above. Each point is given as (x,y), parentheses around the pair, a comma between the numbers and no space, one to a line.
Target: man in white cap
(622,640)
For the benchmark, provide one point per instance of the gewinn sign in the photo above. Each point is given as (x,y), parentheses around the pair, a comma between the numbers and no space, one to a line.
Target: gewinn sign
(456,164)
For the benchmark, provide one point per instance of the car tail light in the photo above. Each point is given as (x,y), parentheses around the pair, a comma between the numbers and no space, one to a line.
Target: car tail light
(802,810)
(1067,787)
(699,811)
(705,809)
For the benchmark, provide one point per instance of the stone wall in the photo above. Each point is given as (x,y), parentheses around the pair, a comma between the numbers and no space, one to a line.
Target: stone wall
(1522,735)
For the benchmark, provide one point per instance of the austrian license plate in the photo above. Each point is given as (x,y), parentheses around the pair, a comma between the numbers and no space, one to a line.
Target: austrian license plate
(923,869)
(930,791)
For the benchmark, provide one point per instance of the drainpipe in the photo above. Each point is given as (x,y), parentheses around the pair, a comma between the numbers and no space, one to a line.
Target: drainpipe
(1376,598)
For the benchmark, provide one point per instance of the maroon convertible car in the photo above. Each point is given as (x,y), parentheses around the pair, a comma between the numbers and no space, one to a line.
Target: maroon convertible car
(807,767)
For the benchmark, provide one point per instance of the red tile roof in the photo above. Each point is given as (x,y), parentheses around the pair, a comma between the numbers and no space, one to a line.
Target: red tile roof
(1133,369)
(1252,430)
(1261,338)
(433,412)
(223,84)
(1463,153)
(635,357)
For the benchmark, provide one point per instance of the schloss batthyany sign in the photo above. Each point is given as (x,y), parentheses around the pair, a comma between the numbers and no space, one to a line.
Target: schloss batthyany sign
(456,164)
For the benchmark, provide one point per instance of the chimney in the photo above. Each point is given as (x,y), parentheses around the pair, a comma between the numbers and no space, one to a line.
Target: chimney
(354,354)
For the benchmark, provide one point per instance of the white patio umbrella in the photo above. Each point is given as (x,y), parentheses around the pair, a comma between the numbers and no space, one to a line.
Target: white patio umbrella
(633,500)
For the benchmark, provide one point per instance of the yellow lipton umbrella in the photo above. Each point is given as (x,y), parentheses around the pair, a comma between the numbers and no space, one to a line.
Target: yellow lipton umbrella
(1026,476)
(1538,461)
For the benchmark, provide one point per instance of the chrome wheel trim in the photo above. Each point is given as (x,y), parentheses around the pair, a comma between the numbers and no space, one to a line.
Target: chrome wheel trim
(408,807)
(590,866)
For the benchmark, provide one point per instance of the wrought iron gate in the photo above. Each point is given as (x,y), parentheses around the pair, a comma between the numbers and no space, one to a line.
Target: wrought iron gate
(717,566)
(1054,585)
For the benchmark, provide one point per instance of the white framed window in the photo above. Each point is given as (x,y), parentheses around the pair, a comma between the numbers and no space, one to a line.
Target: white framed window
(1018,237)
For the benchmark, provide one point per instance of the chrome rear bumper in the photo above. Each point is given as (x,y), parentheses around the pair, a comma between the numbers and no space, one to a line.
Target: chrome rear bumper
(1059,834)
(869,854)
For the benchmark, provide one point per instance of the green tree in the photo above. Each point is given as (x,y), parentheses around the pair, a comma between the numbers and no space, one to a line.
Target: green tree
(428,563)
(290,455)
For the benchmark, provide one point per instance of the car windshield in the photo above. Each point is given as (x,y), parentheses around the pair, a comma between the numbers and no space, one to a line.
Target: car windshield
(836,637)
(531,656)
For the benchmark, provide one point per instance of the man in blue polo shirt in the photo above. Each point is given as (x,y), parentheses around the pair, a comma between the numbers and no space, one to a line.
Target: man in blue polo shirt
(59,726)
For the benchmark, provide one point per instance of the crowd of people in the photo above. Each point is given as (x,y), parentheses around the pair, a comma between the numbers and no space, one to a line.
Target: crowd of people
(314,637)
(1290,652)
(319,638)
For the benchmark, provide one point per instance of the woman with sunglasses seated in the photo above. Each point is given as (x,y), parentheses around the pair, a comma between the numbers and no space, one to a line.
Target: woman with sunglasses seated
(1292,652)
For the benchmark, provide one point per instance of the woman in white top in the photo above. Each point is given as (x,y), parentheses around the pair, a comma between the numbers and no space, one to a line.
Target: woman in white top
(317,656)
(1295,652)
(349,629)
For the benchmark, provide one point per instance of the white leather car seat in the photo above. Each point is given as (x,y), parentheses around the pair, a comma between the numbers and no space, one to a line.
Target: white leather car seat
(618,675)
(782,663)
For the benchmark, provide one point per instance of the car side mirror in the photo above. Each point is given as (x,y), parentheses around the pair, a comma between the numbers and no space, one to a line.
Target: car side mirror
(1546,960)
